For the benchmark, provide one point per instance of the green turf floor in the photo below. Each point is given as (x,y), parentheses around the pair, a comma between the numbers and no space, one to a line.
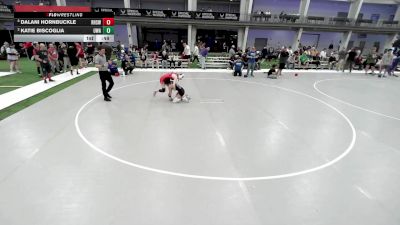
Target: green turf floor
(32,100)
(28,76)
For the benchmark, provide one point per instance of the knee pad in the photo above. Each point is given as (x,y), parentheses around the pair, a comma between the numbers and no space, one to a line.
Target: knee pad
(161,90)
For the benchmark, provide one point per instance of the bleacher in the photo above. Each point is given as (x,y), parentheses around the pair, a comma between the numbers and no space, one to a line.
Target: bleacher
(217,62)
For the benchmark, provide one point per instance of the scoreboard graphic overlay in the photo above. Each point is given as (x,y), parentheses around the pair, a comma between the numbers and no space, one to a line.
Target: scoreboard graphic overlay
(63,26)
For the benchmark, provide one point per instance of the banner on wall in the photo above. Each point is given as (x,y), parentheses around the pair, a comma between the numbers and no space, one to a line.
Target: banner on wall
(6,9)
(175,14)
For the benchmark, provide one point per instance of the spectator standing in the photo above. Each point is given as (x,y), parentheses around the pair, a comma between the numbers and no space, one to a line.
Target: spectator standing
(387,60)
(323,54)
(371,61)
(90,53)
(3,50)
(196,53)
(350,60)
(80,54)
(42,57)
(342,58)
(53,59)
(232,51)
(251,61)
(237,67)
(72,54)
(164,59)
(35,51)
(186,52)
(66,62)
(283,58)
(13,57)
(203,55)
(143,57)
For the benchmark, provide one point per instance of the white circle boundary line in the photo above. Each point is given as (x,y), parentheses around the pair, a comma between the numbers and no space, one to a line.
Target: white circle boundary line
(348,103)
(287,175)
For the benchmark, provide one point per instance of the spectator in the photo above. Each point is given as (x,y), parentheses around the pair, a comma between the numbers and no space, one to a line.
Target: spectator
(53,59)
(238,66)
(90,53)
(396,46)
(304,60)
(134,56)
(387,60)
(154,60)
(186,52)
(113,68)
(291,62)
(359,62)
(127,64)
(232,51)
(119,46)
(196,53)
(171,61)
(80,54)
(66,61)
(350,60)
(290,51)
(371,61)
(272,72)
(314,53)
(13,57)
(342,58)
(323,54)
(251,61)
(164,46)
(28,47)
(42,57)
(3,50)
(35,51)
(143,58)
(203,55)
(395,62)
(333,59)
(283,58)
(264,52)
(164,59)
(72,54)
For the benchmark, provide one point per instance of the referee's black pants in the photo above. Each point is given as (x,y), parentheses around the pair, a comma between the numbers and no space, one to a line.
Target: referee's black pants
(106,76)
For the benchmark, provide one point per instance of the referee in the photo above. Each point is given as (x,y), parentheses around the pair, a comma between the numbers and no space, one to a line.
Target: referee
(102,64)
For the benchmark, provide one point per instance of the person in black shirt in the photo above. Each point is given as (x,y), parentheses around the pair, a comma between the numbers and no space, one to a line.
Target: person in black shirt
(283,57)
(272,72)
(350,60)
(42,57)
(74,60)
(90,53)
(127,65)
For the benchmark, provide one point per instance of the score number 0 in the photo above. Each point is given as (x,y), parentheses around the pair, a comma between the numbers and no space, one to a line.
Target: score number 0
(108,21)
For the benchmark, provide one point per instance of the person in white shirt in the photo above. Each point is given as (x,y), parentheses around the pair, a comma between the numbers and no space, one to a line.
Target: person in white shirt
(196,54)
(232,52)
(186,52)
(13,57)
(290,51)
(323,54)
(386,63)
